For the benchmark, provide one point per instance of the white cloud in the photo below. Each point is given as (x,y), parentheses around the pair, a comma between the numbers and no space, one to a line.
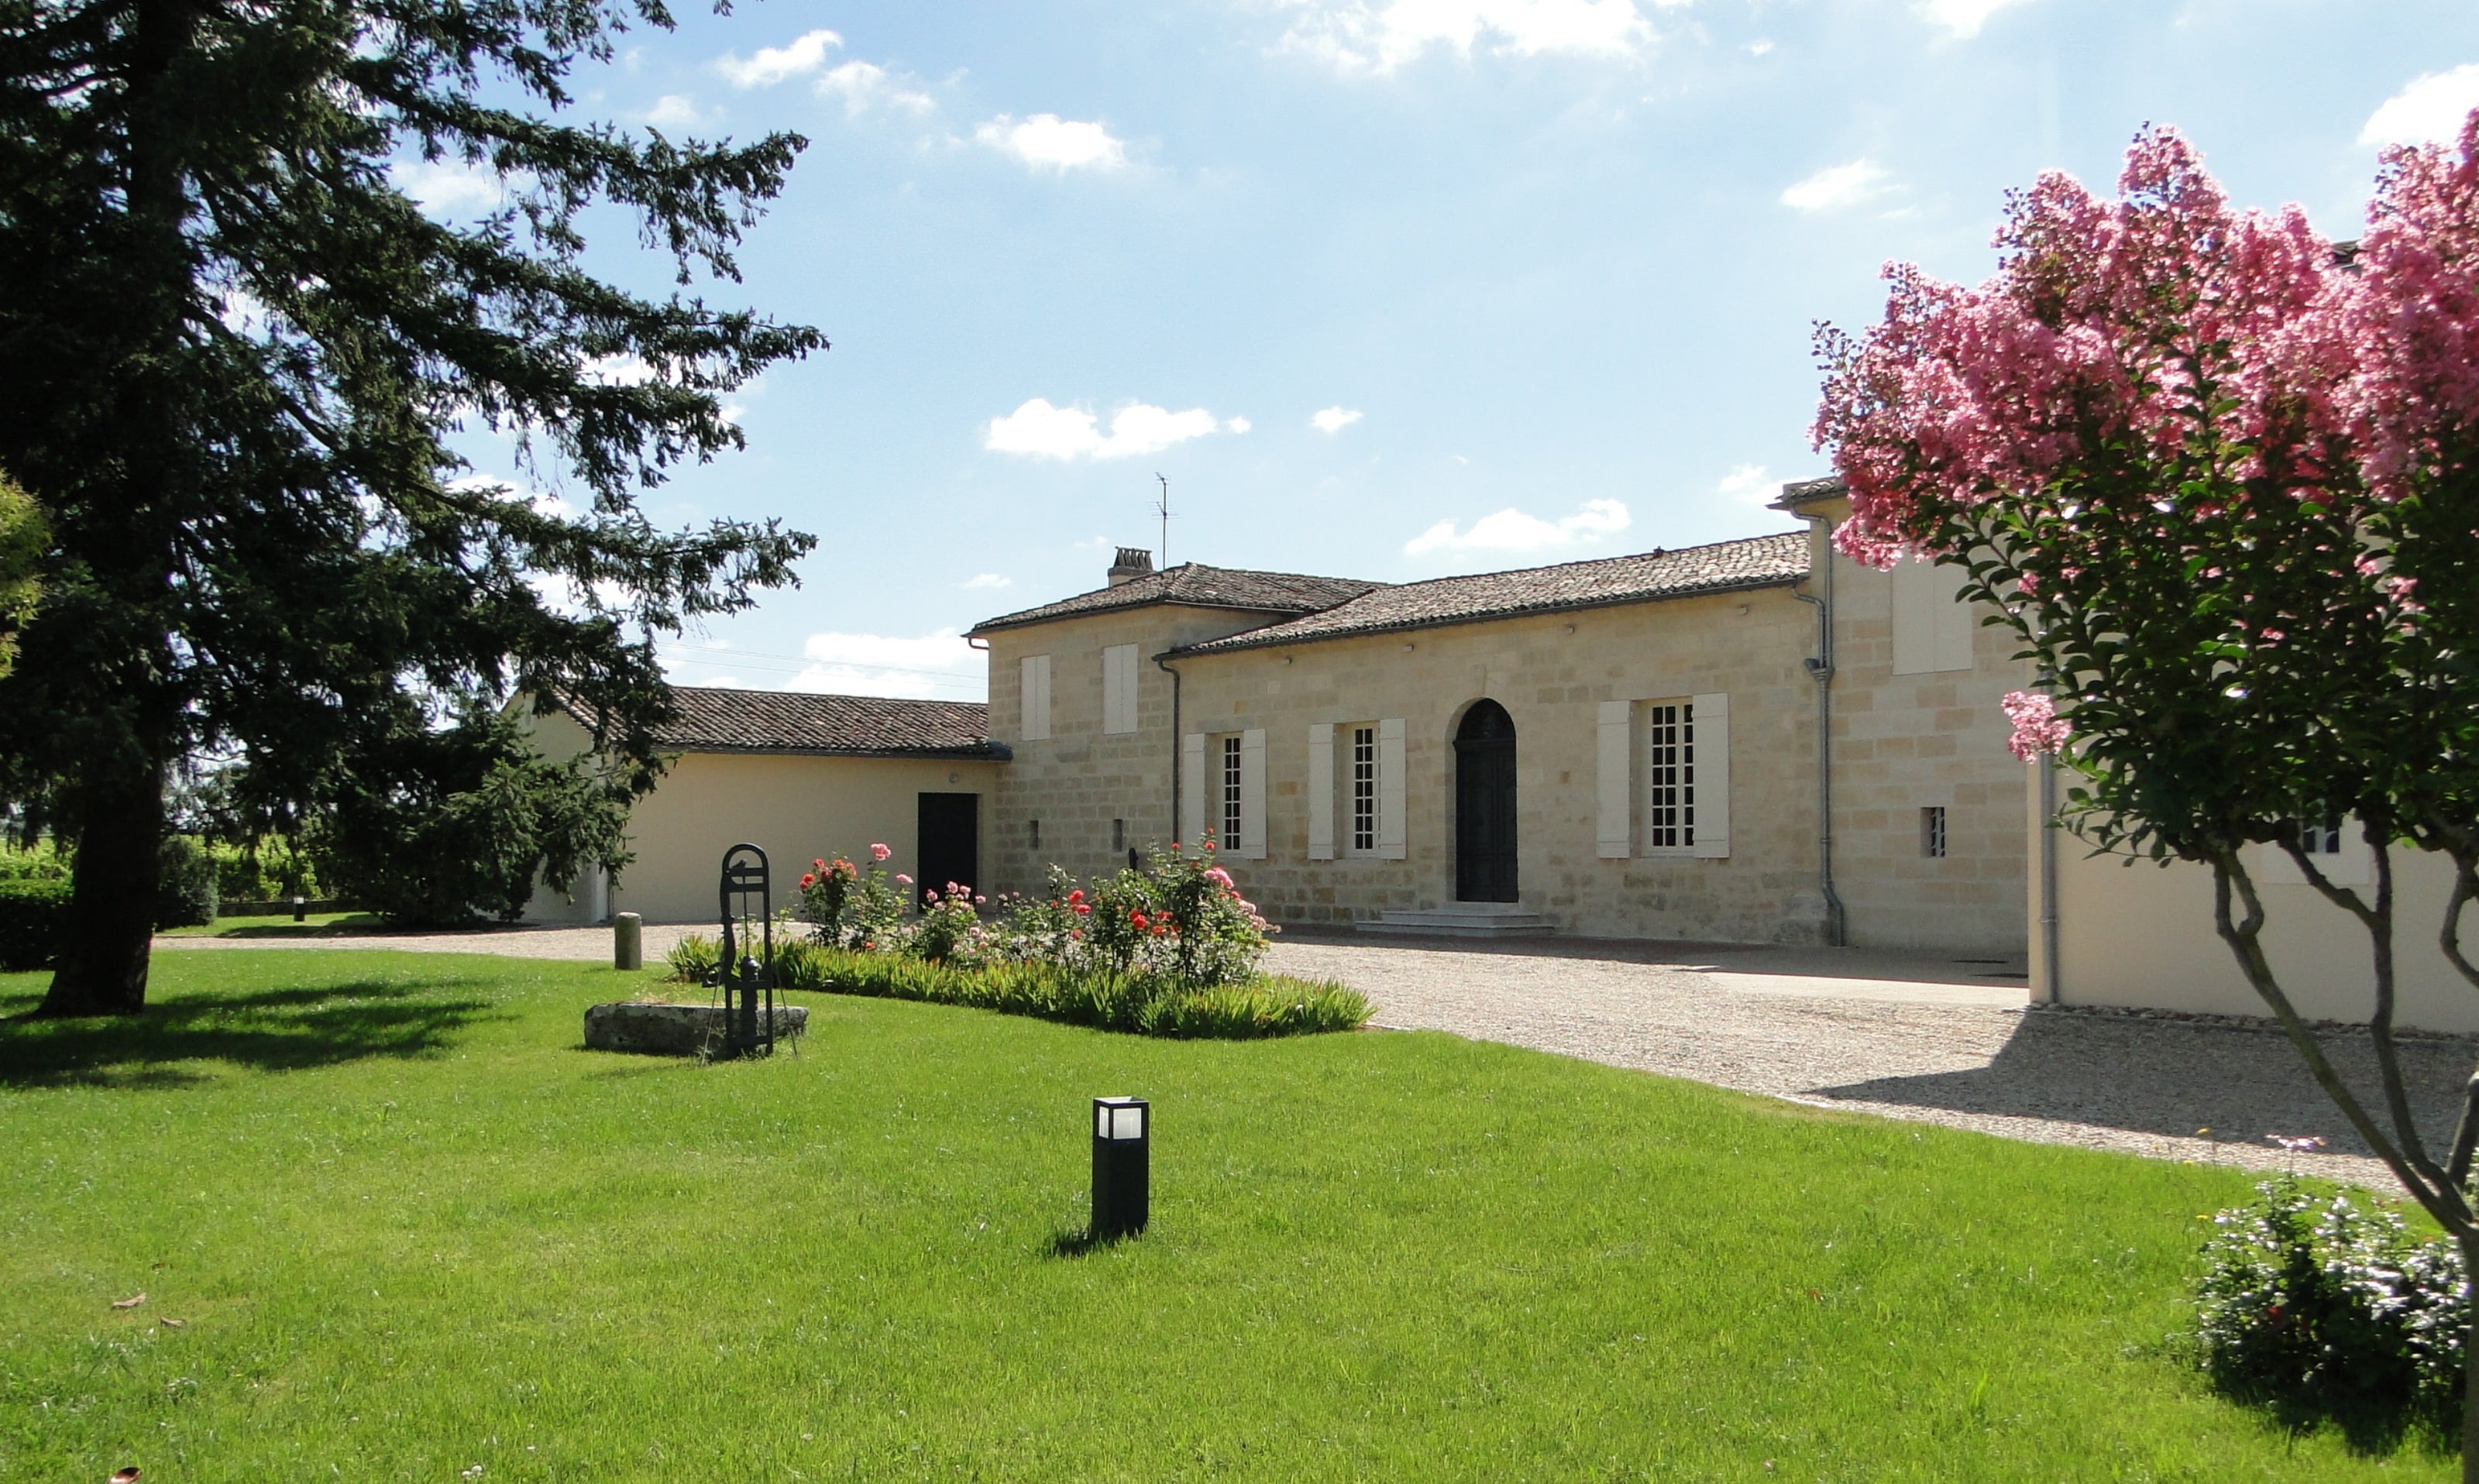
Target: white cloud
(2430,110)
(543,500)
(1513,531)
(938,666)
(619,370)
(988,579)
(1759,47)
(447,187)
(1837,186)
(1048,142)
(675,111)
(864,86)
(1237,425)
(1380,35)
(1962,18)
(1044,431)
(1333,420)
(773,63)
(1747,484)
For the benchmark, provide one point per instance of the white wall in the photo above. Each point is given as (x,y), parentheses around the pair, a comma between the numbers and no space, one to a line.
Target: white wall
(2140,934)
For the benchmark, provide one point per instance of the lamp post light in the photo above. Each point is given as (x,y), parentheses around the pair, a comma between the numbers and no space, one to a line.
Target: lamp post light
(1122,1184)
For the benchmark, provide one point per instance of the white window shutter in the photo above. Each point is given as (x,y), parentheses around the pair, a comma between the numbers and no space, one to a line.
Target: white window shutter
(1035,686)
(1119,688)
(1713,775)
(1390,789)
(1614,812)
(1191,790)
(1321,791)
(1252,796)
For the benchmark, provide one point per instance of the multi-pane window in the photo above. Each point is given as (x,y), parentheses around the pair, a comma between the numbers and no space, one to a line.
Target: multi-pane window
(1230,838)
(1932,831)
(1364,789)
(1670,775)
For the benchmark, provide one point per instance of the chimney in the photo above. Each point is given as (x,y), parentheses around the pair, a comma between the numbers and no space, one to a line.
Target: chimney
(1134,562)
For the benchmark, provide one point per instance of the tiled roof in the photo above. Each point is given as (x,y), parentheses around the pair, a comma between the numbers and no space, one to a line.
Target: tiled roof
(715,720)
(1793,496)
(1761,561)
(1198,586)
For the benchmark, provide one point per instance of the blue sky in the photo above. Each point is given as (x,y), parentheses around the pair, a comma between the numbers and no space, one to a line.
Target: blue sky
(1385,290)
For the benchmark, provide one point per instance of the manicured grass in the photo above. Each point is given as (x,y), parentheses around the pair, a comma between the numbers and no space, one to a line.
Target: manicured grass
(413,1228)
(282,925)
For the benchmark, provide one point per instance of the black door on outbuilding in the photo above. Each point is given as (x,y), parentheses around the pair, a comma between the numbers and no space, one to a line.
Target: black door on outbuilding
(1485,868)
(951,842)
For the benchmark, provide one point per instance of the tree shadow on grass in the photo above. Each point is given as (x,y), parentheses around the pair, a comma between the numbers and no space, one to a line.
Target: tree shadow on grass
(270,1029)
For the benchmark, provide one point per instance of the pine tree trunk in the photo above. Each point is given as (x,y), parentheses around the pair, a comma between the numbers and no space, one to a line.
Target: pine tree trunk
(102,965)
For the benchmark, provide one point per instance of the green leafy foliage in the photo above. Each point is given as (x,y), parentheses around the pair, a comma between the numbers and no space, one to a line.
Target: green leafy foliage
(33,919)
(2325,1306)
(23,536)
(696,956)
(41,862)
(1147,1004)
(461,821)
(184,891)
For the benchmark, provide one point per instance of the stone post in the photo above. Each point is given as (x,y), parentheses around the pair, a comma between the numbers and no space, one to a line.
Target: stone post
(627,941)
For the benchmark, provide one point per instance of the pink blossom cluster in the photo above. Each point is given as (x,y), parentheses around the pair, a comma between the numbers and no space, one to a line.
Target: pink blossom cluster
(2039,730)
(2145,320)
(2411,311)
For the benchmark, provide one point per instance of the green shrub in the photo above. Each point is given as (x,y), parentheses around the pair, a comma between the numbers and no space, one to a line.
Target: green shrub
(185,891)
(33,919)
(1148,1004)
(693,959)
(43,863)
(269,869)
(2322,1308)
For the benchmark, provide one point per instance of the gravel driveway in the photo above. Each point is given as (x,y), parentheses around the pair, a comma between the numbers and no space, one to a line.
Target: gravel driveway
(1941,1040)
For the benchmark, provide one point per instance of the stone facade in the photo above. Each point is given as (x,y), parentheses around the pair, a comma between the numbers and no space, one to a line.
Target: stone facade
(1930,738)
(1904,743)
(1091,794)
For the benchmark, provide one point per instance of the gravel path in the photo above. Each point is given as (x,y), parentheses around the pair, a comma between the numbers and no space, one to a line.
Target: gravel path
(2136,1083)
(1939,1040)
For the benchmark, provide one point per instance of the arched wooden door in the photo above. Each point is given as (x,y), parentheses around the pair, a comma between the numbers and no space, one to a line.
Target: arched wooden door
(1485,862)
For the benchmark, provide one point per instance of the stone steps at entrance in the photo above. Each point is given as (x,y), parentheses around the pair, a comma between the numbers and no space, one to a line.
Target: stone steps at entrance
(1464,919)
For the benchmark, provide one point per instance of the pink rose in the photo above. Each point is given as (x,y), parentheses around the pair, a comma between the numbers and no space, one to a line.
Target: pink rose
(880,853)
(906,879)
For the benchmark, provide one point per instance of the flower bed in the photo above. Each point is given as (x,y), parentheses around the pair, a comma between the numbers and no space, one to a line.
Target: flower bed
(1170,949)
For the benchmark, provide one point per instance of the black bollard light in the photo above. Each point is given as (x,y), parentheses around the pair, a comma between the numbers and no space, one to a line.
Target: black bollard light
(300,909)
(1122,1184)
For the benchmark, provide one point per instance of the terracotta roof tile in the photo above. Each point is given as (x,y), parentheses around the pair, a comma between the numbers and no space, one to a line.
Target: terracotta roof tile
(712,719)
(1199,586)
(1760,561)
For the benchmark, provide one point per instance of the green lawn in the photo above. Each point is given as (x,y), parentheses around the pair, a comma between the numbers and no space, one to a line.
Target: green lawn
(411,1228)
(282,925)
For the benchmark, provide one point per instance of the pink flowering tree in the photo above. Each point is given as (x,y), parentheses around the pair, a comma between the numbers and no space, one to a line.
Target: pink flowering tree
(2222,480)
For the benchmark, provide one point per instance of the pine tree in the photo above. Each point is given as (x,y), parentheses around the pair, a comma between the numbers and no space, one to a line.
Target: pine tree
(236,355)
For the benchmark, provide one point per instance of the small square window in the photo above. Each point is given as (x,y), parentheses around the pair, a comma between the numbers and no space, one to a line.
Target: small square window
(1119,835)
(1032,831)
(1932,831)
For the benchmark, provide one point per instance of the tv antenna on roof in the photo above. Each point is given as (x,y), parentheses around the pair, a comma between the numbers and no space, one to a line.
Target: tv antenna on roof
(1161,508)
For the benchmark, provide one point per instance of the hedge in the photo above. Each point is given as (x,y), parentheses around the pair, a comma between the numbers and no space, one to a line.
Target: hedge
(1149,1005)
(34,918)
